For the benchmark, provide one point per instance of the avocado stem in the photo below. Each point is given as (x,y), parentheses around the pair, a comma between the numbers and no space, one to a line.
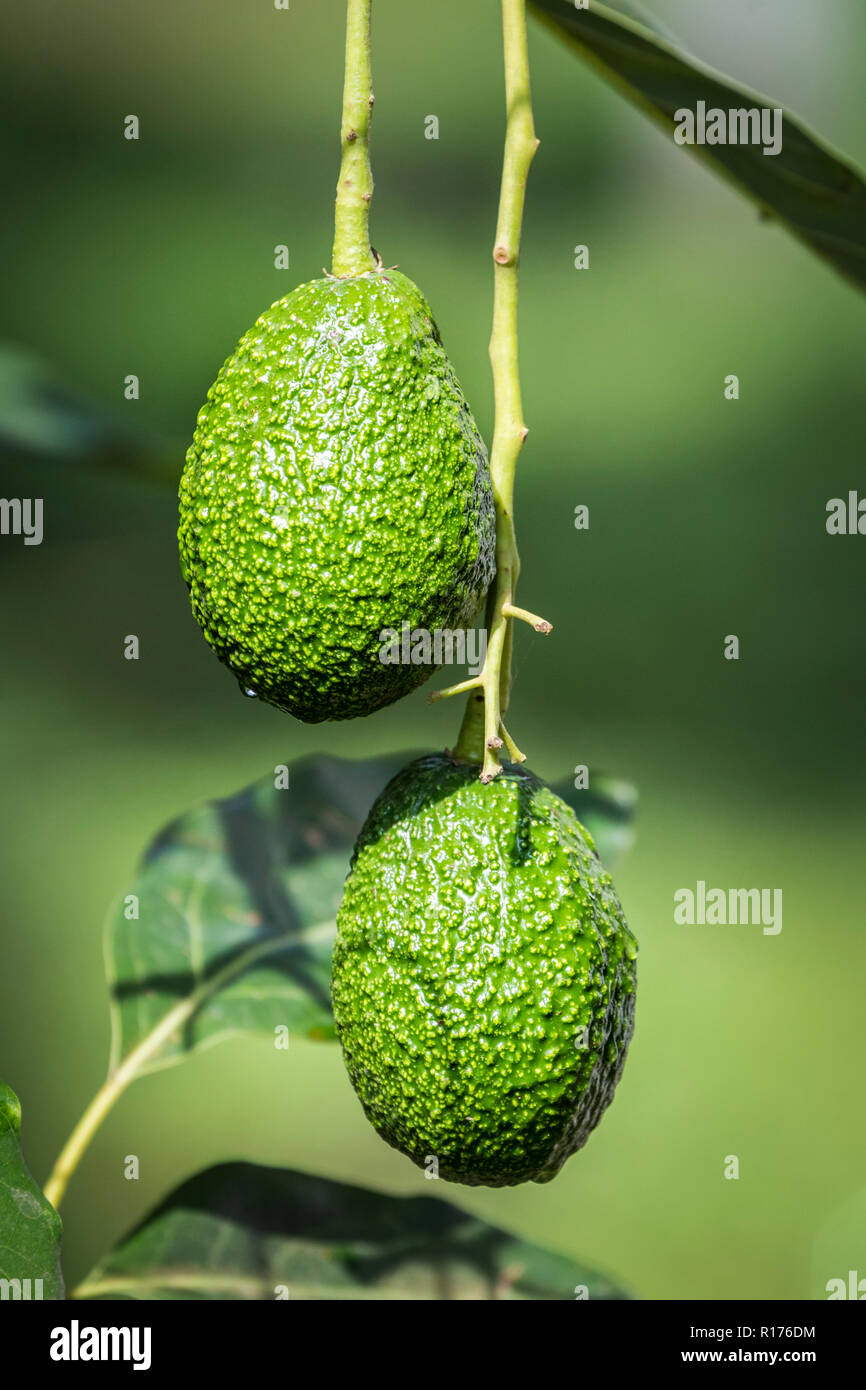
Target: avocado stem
(352,254)
(514,752)
(479,738)
(540,624)
(460,689)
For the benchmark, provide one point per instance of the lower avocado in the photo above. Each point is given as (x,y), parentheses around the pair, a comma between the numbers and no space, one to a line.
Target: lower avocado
(484,976)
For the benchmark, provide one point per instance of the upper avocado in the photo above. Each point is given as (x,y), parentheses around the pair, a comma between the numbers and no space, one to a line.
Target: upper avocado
(484,976)
(336,486)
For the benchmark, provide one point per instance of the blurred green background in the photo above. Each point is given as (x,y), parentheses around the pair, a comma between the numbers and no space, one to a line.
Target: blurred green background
(707,518)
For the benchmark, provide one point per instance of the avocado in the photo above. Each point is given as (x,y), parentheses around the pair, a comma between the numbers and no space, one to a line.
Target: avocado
(336,487)
(483,976)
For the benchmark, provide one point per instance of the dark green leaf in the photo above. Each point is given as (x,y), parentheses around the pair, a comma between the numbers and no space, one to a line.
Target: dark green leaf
(814,192)
(635,9)
(229,926)
(606,807)
(41,417)
(238,1231)
(29,1225)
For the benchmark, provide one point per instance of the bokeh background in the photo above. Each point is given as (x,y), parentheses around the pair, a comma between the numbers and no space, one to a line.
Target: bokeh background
(707,518)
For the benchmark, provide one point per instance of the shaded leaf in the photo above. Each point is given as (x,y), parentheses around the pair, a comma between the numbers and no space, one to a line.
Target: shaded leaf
(43,417)
(239,1231)
(606,807)
(812,190)
(635,9)
(29,1225)
(230,923)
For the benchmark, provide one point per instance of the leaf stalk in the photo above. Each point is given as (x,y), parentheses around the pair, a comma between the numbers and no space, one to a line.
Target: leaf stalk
(135,1061)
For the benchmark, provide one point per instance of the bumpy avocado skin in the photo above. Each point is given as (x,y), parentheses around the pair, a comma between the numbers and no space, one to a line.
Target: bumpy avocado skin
(336,486)
(484,976)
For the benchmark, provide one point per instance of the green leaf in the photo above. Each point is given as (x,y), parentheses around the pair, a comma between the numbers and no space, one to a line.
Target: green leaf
(29,1225)
(811,189)
(229,925)
(238,1231)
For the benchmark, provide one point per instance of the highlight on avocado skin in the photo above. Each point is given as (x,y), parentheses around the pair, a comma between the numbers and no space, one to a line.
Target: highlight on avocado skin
(484,975)
(336,486)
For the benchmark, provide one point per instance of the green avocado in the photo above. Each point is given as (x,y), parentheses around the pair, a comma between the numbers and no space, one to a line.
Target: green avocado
(336,488)
(484,976)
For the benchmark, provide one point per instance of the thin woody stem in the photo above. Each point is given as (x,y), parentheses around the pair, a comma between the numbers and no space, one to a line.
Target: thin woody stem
(352,254)
(481,733)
